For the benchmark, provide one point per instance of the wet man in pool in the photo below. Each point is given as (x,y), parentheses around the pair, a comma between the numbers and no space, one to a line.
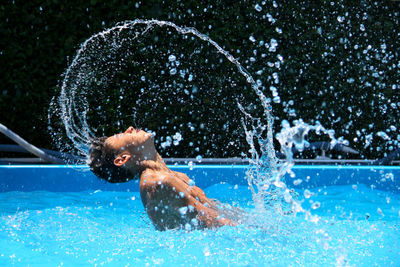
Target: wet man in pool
(170,199)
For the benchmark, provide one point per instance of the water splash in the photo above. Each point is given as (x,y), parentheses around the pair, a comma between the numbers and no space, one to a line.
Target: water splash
(266,176)
(100,53)
(74,104)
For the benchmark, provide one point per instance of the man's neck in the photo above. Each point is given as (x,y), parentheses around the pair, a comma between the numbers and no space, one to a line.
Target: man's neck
(156,165)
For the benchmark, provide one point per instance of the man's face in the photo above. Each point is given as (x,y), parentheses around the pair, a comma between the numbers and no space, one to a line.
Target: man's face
(133,140)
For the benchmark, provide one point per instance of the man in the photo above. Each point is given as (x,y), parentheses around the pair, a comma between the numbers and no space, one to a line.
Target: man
(170,199)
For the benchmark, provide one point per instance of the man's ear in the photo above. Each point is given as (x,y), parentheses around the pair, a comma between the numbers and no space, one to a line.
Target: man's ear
(122,159)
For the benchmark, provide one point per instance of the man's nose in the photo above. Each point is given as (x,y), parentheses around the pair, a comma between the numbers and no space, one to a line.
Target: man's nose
(129,130)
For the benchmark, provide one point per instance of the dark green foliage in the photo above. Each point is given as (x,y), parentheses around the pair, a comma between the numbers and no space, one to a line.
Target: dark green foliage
(328,69)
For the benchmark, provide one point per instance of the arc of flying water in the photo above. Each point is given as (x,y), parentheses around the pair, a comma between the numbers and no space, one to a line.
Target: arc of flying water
(81,137)
(263,170)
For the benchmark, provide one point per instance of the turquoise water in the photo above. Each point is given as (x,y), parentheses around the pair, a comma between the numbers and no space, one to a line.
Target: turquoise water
(111,228)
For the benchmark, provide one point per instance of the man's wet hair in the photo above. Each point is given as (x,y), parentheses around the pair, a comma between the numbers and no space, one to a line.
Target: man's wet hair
(102,162)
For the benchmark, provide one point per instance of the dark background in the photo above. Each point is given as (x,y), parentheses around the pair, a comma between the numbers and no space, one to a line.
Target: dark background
(340,58)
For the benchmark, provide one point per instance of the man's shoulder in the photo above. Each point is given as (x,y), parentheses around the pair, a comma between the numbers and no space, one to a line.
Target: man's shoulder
(157,179)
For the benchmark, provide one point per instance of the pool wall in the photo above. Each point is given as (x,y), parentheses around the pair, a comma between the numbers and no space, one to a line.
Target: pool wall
(61,178)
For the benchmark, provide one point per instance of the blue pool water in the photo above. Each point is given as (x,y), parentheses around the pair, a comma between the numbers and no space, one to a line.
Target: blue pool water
(358,223)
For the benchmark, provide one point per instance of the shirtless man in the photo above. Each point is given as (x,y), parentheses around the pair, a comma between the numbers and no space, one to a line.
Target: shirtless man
(170,199)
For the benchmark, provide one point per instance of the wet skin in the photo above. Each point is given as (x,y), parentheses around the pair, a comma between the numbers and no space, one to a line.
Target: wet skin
(171,201)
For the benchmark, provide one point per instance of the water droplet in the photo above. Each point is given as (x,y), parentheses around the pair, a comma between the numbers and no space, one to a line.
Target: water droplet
(276,99)
(307,193)
(380,211)
(194,221)
(279,184)
(350,80)
(206,252)
(272,46)
(340,19)
(177,137)
(297,181)
(190,164)
(315,205)
(286,196)
(172,71)
(199,158)
(172,58)
(183,210)
(258,7)
(383,135)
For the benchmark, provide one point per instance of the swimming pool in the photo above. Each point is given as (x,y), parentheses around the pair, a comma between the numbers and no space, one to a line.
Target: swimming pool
(59,215)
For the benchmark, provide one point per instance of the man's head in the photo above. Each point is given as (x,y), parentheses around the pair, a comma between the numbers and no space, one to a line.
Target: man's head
(119,158)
